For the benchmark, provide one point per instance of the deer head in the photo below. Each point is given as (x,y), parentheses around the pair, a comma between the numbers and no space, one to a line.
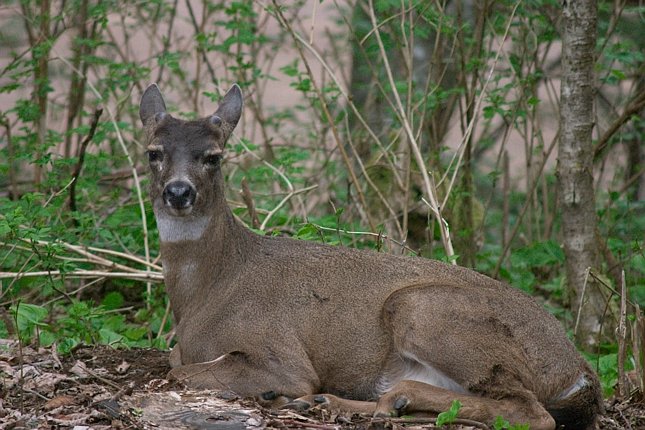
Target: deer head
(185,156)
(186,183)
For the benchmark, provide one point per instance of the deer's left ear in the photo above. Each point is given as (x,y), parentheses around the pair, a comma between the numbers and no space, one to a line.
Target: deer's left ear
(230,108)
(152,104)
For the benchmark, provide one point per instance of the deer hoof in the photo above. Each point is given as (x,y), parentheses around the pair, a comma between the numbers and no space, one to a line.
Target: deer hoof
(297,405)
(321,400)
(400,404)
(393,409)
(269,395)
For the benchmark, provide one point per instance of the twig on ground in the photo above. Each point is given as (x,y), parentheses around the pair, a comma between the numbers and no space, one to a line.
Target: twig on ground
(296,423)
(424,420)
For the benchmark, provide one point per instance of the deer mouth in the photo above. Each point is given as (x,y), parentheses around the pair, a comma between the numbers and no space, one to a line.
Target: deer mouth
(179,212)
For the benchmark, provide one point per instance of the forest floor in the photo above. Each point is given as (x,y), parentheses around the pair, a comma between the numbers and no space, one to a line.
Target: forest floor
(103,388)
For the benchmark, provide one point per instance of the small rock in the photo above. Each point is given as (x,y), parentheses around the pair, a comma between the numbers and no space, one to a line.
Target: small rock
(253,422)
(123,367)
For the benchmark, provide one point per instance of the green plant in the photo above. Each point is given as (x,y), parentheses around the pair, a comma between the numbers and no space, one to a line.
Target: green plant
(449,416)
(78,323)
(501,424)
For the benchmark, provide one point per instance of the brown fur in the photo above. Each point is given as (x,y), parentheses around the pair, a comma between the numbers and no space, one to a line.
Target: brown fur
(284,320)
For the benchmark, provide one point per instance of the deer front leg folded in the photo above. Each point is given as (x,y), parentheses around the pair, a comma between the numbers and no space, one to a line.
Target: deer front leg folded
(412,397)
(332,403)
(248,376)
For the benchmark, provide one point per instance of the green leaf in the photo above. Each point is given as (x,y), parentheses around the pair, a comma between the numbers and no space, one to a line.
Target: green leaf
(304,85)
(46,338)
(28,316)
(502,424)
(538,254)
(135,333)
(67,344)
(307,230)
(109,337)
(450,415)
(113,300)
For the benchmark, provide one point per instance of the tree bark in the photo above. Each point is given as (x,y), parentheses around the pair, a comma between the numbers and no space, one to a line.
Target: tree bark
(575,165)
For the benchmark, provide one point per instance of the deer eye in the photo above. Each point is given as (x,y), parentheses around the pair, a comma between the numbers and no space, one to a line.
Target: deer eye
(155,156)
(212,159)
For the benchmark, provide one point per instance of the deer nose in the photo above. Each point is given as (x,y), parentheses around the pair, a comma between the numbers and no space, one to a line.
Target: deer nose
(179,194)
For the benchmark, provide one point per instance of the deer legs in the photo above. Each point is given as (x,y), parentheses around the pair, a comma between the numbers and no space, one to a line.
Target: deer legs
(248,376)
(418,398)
(412,397)
(332,403)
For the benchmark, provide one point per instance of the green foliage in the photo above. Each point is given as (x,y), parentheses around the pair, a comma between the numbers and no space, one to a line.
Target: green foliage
(501,424)
(606,366)
(78,323)
(449,416)
(28,319)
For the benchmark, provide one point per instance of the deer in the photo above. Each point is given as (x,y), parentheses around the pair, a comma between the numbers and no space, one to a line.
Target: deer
(297,324)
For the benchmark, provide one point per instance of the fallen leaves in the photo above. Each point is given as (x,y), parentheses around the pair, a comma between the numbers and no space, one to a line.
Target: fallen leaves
(39,390)
(97,388)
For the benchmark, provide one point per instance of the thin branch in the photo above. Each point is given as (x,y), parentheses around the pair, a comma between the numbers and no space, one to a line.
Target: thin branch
(13,188)
(636,105)
(621,334)
(325,108)
(282,203)
(84,251)
(430,191)
(135,175)
(527,203)
(166,43)
(85,274)
(81,158)
(106,263)
(380,236)
(250,205)
(200,49)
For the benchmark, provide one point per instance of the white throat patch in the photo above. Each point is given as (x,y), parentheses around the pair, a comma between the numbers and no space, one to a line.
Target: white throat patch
(176,229)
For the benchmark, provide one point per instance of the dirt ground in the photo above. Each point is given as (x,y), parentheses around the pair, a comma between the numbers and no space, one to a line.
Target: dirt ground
(104,388)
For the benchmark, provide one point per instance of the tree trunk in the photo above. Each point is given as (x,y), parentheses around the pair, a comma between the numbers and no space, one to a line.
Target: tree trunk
(575,164)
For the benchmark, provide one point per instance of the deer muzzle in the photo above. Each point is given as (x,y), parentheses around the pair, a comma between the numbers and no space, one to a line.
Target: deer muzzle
(179,195)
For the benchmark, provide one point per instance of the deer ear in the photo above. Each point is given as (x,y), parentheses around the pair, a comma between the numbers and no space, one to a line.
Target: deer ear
(152,104)
(230,108)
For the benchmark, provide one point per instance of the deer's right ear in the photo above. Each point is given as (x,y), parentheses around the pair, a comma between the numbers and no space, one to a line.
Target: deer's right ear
(152,104)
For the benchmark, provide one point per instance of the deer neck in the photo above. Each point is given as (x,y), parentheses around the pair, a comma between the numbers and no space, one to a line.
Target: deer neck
(198,252)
